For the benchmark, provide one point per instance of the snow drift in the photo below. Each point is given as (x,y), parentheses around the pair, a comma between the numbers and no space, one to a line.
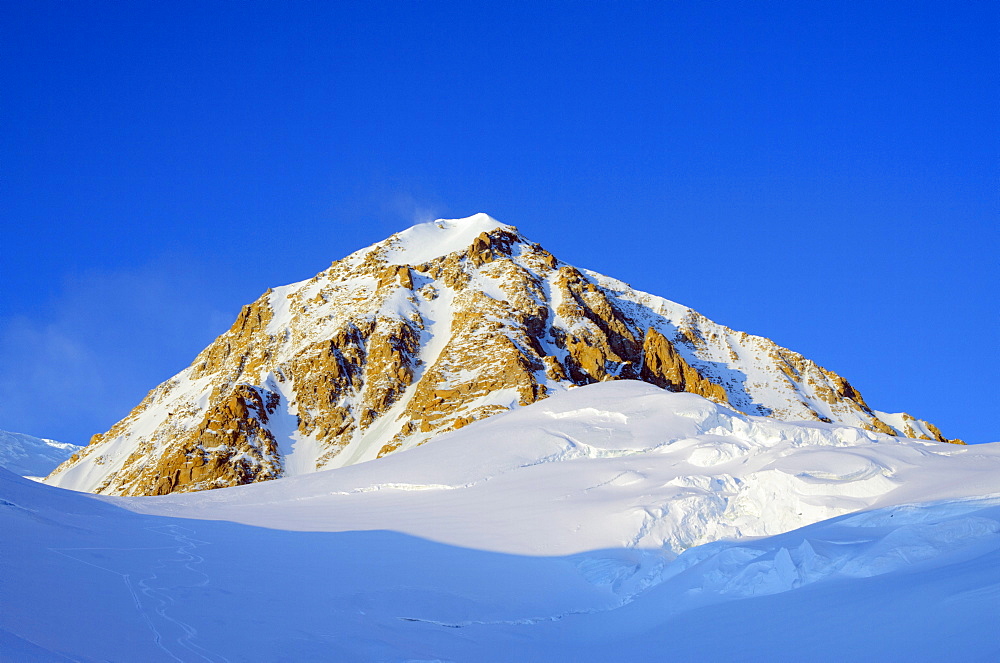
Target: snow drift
(612,521)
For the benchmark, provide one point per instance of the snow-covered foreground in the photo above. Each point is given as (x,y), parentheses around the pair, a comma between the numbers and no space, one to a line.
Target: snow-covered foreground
(612,522)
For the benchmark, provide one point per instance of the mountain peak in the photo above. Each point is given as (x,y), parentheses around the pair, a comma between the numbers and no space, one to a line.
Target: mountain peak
(426,241)
(440,325)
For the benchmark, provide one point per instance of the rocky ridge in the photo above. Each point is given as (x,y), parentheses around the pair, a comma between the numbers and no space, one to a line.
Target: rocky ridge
(433,328)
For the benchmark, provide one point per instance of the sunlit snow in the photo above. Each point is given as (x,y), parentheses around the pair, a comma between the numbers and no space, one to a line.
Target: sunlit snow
(426,241)
(610,522)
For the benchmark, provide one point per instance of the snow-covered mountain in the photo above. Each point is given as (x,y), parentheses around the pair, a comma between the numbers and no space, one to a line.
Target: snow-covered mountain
(616,521)
(609,465)
(435,327)
(32,456)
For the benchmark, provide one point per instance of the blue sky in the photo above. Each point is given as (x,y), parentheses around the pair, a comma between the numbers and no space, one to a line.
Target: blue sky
(824,174)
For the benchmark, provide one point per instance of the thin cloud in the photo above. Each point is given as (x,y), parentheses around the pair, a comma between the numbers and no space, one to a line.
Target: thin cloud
(409,208)
(79,363)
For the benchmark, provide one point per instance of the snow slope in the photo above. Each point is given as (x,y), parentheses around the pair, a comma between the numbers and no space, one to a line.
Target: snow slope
(32,456)
(427,241)
(610,464)
(615,521)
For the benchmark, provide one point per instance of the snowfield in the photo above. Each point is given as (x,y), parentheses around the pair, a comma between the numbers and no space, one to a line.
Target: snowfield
(614,521)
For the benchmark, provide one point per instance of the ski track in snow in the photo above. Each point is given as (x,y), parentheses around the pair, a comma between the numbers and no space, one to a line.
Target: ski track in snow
(179,647)
(523,621)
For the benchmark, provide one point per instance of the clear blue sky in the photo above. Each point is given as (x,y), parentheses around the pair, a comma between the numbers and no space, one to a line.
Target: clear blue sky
(824,174)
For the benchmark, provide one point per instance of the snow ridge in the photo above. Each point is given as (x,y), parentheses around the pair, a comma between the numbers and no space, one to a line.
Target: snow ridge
(32,456)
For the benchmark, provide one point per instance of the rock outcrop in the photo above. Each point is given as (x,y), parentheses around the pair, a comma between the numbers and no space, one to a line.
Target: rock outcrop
(426,332)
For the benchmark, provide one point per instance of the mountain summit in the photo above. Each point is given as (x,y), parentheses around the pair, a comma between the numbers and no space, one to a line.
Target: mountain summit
(427,331)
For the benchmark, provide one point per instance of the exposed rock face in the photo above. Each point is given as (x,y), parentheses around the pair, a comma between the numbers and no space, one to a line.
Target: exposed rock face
(425,332)
(663,366)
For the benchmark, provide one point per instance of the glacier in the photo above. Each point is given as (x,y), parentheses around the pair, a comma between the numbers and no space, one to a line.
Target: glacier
(611,521)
